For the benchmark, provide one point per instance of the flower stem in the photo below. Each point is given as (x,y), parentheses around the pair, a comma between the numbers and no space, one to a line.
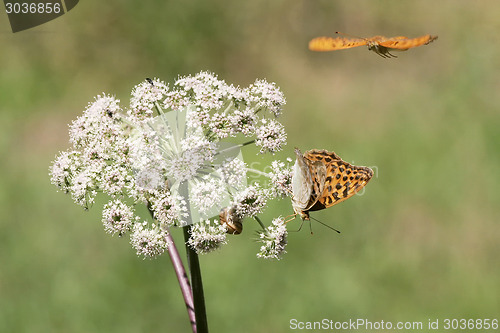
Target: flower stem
(183,281)
(260,222)
(182,277)
(198,296)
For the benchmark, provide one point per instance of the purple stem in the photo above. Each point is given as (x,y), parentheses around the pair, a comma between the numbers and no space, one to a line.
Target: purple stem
(182,277)
(183,280)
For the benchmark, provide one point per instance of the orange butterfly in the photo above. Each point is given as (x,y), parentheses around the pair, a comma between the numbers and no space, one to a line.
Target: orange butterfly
(379,44)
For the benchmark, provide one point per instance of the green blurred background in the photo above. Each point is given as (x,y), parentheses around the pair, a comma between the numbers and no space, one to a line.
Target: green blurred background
(422,242)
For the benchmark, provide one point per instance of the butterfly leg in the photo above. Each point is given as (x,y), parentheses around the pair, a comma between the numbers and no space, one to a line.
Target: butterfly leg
(290,218)
(300,227)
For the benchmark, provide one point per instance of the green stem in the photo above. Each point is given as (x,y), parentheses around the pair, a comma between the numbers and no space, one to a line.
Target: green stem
(241,145)
(197,285)
(260,222)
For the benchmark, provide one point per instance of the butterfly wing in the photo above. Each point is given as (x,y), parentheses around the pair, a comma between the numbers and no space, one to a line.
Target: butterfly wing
(322,179)
(321,44)
(321,155)
(318,174)
(342,182)
(302,184)
(404,43)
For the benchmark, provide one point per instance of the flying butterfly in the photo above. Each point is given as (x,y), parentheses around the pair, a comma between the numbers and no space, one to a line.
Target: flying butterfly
(379,44)
(322,179)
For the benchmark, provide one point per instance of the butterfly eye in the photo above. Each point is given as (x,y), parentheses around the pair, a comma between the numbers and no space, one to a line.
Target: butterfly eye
(232,222)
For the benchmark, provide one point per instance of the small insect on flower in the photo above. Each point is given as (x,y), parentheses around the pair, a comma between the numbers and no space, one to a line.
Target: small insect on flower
(232,222)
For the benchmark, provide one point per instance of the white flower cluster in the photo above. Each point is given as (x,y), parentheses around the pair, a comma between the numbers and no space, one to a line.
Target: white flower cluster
(178,151)
(281,179)
(274,240)
(207,236)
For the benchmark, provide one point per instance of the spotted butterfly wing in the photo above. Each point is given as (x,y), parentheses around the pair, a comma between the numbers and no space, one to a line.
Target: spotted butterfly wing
(404,43)
(378,44)
(322,179)
(343,179)
(322,44)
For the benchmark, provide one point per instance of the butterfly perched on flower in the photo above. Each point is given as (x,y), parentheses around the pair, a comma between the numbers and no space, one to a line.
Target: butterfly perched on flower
(378,44)
(322,179)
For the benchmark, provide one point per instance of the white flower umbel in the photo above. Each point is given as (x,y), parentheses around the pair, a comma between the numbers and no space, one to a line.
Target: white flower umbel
(177,150)
(144,97)
(271,136)
(168,208)
(267,96)
(208,192)
(207,236)
(147,241)
(233,173)
(118,218)
(274,240)
(281,179)
(250,201)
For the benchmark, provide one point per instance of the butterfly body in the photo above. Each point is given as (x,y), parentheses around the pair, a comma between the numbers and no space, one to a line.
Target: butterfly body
(322,179)
(378,44)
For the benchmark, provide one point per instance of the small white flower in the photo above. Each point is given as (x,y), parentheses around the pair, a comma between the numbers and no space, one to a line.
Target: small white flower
(99,124)
(144,97)
(274,240)
(148,242)
(271,136)
(168,208)
(268,96)
(207,236)
(146,151)
(199,144)
(114,179)
(220,126)
(204,90)
(207,193)
(176,100)
(233,172)
(244,121)
(250,201)
(185,165)
(83,188)
(281,179)
(64,168)
(149,179)
(117,217)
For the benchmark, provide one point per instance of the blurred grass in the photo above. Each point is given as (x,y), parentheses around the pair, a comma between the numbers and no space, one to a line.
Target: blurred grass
(422,242)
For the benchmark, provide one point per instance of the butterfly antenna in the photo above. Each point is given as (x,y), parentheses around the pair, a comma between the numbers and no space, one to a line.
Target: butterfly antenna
(326,225)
